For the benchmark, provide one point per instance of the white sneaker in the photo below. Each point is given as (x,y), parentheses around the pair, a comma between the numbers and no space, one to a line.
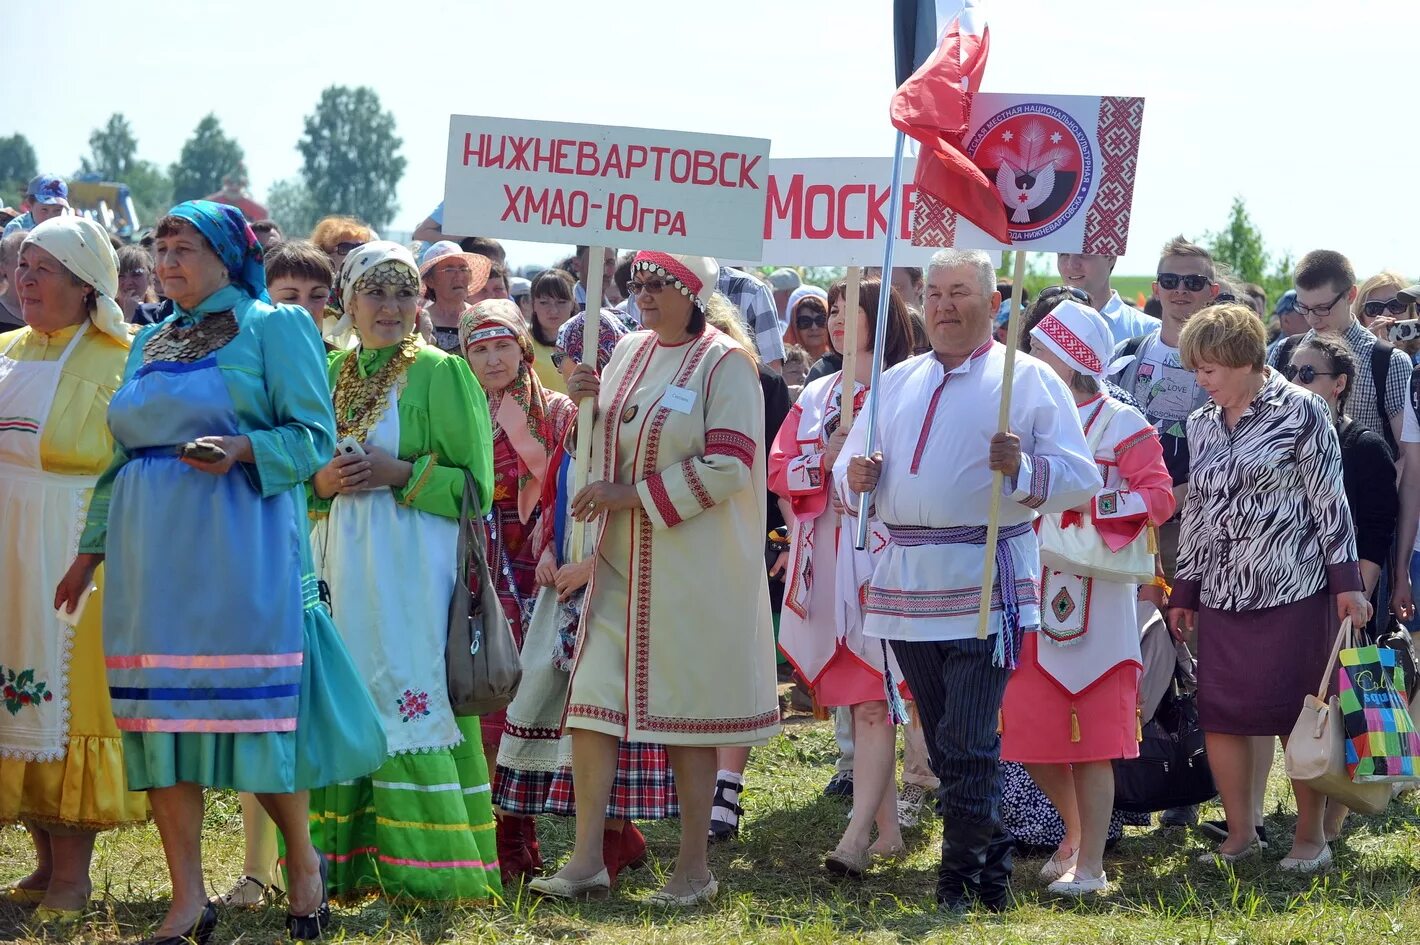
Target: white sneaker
(910,802)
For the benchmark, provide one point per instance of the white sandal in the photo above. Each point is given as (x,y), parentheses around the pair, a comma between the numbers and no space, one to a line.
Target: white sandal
(248,893)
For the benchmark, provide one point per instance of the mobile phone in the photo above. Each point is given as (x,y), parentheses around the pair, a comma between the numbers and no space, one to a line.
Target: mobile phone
(202,452)
(349,447)
(71,617)
(1407,330)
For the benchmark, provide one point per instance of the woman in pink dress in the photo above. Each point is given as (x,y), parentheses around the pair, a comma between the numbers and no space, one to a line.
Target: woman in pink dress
(1071,706)
(821,627)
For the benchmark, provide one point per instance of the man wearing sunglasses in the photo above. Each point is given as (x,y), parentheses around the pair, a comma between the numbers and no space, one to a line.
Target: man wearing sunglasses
(1157,379)
(1090,272)
(1326,294)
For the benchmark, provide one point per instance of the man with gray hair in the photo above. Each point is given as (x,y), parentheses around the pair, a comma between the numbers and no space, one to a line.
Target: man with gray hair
(931,480)
(10,318)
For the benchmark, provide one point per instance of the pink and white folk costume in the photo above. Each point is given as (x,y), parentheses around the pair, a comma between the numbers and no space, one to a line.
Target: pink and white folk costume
(1074,696)
(932,495)
(821,625)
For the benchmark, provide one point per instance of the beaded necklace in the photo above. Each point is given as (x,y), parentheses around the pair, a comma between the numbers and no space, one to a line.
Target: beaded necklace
(359,401)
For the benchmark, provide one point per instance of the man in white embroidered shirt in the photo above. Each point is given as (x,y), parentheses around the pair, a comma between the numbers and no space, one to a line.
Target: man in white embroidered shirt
(932,485)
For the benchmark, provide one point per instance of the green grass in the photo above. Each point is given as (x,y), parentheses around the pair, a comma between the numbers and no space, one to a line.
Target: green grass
(774,889)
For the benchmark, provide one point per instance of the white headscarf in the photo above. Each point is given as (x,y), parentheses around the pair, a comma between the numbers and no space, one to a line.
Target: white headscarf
(1079,335)
(83,247)
(341,332)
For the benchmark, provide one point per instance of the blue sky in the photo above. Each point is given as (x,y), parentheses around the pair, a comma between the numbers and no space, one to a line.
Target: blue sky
(1279,103)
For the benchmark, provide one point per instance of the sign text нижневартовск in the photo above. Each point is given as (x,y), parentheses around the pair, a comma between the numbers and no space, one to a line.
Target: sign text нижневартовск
(591,184)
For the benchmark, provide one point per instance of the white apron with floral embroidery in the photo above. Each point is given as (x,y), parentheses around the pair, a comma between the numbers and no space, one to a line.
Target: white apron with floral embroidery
(43,513)
(391,571)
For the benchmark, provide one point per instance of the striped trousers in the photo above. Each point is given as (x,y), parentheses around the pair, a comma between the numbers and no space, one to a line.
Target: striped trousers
(958,693)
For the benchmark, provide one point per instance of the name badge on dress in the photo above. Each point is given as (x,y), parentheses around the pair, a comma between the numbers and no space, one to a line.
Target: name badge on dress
(678,399)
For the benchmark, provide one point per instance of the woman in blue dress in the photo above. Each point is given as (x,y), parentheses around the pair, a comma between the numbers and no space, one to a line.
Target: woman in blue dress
(223,666)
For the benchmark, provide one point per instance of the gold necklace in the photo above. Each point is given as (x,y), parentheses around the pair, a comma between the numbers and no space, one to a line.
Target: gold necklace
(360,401)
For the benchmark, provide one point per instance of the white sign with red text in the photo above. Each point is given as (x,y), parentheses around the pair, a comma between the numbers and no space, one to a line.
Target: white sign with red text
(599,185)
(833,212)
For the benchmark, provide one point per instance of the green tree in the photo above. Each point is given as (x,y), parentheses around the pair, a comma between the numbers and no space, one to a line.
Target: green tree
(113,150)
(18,166)
(1239,245)
(206,158)
(114,157)
(350,152)
(292,208)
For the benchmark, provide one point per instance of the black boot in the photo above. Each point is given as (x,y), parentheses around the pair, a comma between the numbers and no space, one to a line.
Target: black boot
(994,890)
(964,848)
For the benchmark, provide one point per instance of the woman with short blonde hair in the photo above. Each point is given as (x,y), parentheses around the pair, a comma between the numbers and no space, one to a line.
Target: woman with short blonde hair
(1267,540)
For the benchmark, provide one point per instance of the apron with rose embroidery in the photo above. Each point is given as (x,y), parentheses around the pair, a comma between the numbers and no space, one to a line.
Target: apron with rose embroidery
(43,514)
(391,572)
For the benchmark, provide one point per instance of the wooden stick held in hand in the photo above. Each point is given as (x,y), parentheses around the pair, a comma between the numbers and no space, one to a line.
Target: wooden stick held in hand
(586,410)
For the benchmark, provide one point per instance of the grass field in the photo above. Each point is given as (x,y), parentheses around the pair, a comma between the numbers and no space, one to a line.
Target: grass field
(775,891)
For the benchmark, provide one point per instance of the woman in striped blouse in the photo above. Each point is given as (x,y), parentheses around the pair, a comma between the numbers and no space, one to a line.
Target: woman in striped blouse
(1267,561)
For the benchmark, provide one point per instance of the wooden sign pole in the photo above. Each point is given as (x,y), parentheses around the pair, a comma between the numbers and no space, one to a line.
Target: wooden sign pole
(587,409)
(1003,425)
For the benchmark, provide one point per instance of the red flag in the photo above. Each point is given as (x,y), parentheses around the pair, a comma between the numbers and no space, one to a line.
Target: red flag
(934,106)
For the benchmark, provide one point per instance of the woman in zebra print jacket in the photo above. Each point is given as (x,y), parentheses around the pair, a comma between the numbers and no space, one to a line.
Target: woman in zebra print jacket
(1267,539)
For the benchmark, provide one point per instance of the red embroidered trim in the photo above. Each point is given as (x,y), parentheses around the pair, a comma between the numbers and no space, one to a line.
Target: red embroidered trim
(532,734)
(656,485)
(641,617)
(1107,220)
(1133,440)
(725,442)
(1070,343)
(932,410)
(697,487)
(598,713)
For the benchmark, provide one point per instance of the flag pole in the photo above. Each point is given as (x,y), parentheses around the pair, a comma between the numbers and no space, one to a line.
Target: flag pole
(1003,424)
(880,335)
(847,382)
(586,410)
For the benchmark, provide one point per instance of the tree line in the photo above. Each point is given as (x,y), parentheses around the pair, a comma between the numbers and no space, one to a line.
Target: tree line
(349,152)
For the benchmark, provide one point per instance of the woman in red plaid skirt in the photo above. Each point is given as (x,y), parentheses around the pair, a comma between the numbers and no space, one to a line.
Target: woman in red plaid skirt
(534,773)
(528,423)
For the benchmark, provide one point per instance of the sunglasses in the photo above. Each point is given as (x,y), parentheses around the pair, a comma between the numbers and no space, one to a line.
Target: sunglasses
(1079,295)
(558,356)
(1305,373)
(346,247)
(653,286)
(1168,281)
(805,322)
(1395,306)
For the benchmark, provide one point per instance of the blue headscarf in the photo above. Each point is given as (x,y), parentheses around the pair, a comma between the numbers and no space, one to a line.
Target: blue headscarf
(226,229)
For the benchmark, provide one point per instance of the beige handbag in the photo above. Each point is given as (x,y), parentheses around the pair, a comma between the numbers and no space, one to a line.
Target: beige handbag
(1081,550)
(1316,751)
(481,658)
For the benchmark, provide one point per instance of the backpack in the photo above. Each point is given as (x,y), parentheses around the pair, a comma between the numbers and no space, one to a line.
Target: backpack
(1380,371)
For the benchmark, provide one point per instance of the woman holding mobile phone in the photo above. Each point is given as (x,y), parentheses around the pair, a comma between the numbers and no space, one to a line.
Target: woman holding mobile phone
(224,668)
(412,426)
(61,755)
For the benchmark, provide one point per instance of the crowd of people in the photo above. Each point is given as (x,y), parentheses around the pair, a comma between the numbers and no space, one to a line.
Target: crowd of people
(237,467)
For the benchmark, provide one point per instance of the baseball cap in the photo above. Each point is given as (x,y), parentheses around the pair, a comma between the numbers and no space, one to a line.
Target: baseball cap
(49,190)
(1411,295)
(785,280)
(1286,304)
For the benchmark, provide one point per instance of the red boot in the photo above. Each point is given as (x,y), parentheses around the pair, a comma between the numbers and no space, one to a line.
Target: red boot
(633,847)
(514,858)
(531,844)
(611,852)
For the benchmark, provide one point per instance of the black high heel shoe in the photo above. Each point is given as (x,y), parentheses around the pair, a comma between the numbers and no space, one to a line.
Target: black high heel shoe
(309,927)
(201,932)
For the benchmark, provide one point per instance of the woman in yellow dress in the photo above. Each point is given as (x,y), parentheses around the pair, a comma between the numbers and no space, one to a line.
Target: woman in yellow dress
(61,756)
